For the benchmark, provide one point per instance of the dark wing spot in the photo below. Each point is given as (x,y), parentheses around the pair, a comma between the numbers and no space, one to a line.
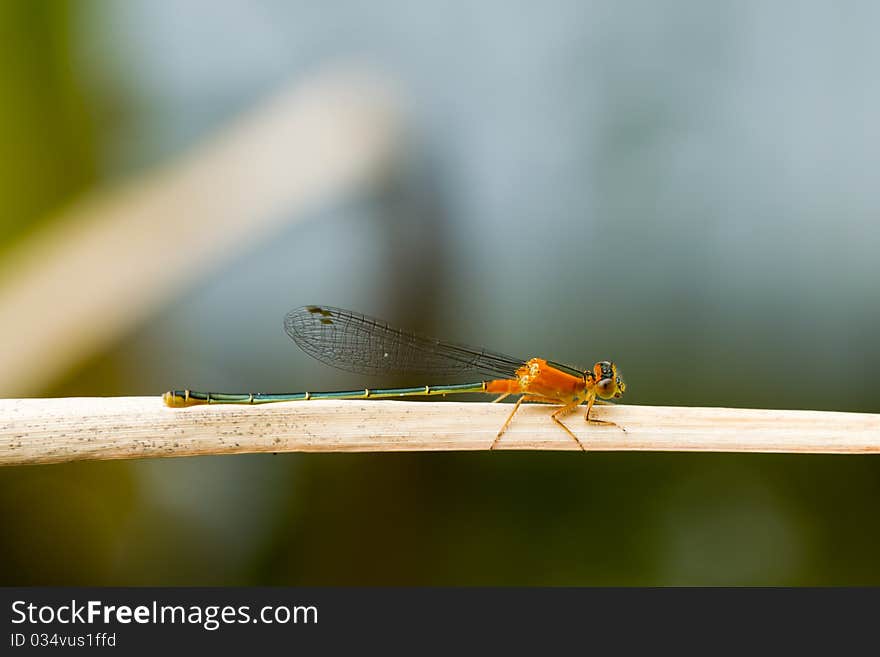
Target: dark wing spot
(324,320)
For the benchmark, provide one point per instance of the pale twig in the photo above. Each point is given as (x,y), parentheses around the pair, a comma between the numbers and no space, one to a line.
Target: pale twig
(60,430)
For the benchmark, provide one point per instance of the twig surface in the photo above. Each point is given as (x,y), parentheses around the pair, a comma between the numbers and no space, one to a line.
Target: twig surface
(73,429)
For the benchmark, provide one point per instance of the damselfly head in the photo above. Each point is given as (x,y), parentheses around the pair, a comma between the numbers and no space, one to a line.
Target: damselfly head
(609,382)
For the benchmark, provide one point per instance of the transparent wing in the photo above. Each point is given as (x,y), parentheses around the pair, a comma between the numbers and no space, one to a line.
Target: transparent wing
(357,343)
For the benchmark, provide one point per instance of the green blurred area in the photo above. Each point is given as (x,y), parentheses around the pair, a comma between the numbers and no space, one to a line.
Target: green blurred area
(505,518)
(46,135)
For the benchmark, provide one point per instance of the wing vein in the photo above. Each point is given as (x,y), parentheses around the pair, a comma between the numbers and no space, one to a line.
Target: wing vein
(357,343)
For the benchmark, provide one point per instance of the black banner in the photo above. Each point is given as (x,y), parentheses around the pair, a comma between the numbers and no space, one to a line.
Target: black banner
(407,621)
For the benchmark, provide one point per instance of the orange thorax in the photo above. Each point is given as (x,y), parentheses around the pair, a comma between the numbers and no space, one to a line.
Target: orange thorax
(538,377)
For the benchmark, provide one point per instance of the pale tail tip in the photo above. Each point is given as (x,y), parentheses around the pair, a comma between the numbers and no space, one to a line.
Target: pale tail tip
(173,400)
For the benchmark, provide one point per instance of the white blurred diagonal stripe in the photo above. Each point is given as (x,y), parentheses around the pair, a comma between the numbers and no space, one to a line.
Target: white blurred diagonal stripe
(106,263)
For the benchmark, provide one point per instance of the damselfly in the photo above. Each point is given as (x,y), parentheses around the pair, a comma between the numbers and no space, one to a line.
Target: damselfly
(361,344)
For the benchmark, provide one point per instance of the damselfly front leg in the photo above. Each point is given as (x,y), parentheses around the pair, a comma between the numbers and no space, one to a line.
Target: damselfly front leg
(607,423)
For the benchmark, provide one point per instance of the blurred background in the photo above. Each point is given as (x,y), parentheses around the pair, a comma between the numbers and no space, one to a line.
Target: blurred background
(687,188)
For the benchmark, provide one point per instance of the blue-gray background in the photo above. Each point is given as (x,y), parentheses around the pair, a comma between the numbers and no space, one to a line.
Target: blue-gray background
(688,188)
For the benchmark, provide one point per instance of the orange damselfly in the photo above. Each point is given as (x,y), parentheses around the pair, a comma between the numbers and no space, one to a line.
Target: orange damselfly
(357,343)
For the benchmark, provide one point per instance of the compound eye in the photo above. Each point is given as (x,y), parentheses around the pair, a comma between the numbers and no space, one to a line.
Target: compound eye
(605,387)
